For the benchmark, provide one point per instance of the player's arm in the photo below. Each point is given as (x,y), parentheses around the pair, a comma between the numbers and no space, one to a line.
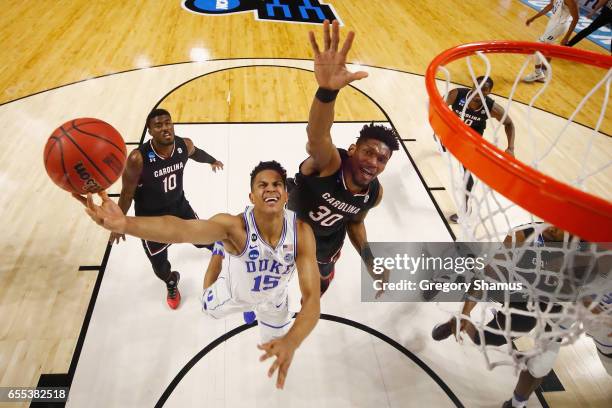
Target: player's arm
(357,234)
(573,9)
(308,273)
(199,155)
(129,180)
(167,228)
(451,96)
(310,285)
(498,113)
(542,12)
(331,75)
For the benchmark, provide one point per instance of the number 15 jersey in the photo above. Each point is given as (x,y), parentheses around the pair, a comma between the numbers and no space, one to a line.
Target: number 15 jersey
(261,273)
(327,205)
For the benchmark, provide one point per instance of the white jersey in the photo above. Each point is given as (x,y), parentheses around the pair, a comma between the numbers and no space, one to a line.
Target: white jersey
(260,272)
(560,13)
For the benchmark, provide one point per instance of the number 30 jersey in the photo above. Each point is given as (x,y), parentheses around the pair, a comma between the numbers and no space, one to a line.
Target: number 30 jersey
(327,205)
(160,187)
(261,273)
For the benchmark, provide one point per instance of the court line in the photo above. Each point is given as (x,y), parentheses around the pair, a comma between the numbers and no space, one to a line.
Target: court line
(194,360)
(271,58)
(410,158)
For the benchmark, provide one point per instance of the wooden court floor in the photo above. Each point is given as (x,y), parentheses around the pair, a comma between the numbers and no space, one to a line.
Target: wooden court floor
(43,294)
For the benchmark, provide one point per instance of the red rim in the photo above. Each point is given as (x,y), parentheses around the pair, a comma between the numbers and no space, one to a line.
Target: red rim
(580,213)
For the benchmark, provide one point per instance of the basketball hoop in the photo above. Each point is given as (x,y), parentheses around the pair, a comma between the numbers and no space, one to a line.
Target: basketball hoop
(576,211)
(510,195)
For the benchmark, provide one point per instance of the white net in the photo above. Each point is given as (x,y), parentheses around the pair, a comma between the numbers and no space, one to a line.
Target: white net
(565,282)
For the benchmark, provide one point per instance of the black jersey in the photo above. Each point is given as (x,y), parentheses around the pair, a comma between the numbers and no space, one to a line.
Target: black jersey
(160,187)
(327,205)
(476,119)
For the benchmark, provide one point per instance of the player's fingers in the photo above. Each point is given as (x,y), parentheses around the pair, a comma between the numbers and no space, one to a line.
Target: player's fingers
(326,36)
(313,43)
(348,43)
(79,198)
(282,375)
(266,356)
(104,195)
(273,368)
(122,236)
(90,202)
(355,76)
(335,36)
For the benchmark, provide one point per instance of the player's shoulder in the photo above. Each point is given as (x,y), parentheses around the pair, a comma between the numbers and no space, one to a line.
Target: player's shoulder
(135,158)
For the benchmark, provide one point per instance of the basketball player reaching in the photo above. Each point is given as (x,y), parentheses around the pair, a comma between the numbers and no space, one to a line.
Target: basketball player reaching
(265,243)
(335,188)
(537,366)
(153,179)
(476,115)
(562,23)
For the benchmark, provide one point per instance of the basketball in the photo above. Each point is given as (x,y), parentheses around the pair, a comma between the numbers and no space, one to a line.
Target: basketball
(85,155)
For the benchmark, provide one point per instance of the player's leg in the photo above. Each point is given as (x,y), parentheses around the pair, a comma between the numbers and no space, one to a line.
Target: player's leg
(468,187)
(217,301)
(326,273)
(215,265)
(604,18)
(158,256)
(553,32)
(274,318)
(537,368)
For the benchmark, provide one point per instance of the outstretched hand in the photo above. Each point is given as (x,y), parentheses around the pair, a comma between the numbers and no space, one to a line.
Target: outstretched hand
(283,349)
(217,165)
(329,64)
(108,214)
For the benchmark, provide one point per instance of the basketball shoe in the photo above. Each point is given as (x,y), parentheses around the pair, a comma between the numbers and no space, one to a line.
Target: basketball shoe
(536,76)
(442,331)
(174,296)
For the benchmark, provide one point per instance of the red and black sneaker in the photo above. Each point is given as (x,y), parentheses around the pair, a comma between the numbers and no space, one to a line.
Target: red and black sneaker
(174,295)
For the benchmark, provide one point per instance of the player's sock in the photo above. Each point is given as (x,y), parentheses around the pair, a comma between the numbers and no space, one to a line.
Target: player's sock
(518,401)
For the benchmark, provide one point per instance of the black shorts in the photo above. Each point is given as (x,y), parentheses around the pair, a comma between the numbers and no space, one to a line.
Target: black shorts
(518,323)
(181,210)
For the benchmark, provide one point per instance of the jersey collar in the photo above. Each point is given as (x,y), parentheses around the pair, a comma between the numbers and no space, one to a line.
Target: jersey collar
(157,154)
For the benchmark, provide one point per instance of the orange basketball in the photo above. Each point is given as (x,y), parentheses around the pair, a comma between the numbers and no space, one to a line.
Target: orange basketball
(85,155)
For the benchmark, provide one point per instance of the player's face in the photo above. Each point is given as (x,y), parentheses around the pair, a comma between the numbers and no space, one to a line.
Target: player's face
(368,159)
(161,129)
(485,92)
(268,192)
(553,234)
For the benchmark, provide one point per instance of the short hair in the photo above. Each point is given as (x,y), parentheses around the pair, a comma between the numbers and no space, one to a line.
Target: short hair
(269,165)
(488,83)
(155,113)
(379,132)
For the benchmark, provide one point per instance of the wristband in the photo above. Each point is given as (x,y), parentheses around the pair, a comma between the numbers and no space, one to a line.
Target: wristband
(326,95)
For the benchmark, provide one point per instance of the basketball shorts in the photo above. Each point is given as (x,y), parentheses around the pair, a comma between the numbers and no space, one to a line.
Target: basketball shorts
(554,31)
(273,316)
(181,210)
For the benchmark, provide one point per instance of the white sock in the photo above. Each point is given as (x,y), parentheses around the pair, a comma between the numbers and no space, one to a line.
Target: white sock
(516,403)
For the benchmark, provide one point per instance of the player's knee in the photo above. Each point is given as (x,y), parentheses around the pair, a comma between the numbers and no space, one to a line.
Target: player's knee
(540,365)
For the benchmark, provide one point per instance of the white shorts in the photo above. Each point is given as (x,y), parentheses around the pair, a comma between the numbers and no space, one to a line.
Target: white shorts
(273,316)
(554,31)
